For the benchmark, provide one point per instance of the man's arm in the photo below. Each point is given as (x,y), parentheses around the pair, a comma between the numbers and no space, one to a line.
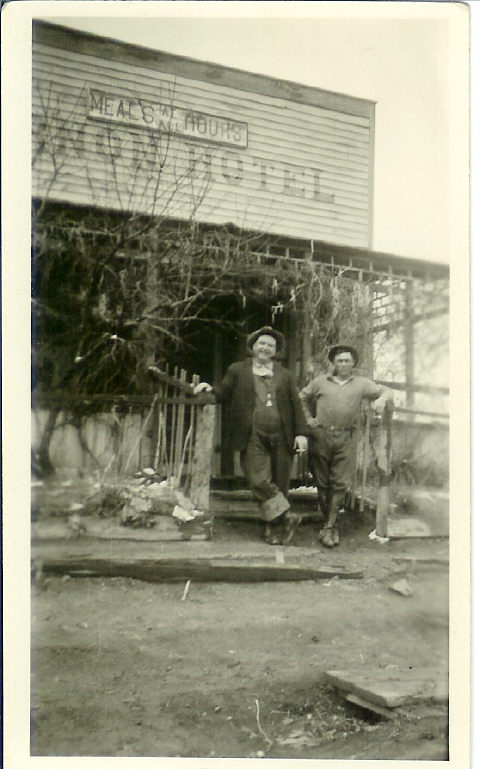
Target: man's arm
(306,396)
(220,393)
(298,413)
(301,430)
(381,396)
(224,391)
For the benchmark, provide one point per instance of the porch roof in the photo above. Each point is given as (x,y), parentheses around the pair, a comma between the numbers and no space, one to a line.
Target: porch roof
(353,258)
(364,262)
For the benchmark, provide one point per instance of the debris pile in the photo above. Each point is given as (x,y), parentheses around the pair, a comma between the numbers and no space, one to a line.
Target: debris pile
(146,497)
(143,501)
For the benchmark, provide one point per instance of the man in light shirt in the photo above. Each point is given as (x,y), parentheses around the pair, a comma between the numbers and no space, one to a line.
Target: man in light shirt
(332,404)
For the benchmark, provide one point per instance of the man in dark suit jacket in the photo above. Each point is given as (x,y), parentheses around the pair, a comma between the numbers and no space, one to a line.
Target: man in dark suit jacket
(267,425)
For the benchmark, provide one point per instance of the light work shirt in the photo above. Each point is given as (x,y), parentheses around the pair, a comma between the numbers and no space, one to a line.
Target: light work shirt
(328,403)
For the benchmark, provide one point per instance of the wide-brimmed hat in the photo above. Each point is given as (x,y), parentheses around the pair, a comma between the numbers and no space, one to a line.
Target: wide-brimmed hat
(266,331)
(339,348)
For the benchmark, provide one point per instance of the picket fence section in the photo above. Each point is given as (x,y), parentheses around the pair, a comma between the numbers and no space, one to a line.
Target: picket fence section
(168,431)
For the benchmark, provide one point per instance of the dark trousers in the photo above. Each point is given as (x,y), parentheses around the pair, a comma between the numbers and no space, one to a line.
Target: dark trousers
(267,464)
(331,455)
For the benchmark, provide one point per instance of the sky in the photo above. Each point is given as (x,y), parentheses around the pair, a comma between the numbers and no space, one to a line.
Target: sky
(402,56)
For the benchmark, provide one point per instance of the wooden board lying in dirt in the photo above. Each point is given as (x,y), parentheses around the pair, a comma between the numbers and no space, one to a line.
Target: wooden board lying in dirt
(390,689)
(179,569)
(366,705)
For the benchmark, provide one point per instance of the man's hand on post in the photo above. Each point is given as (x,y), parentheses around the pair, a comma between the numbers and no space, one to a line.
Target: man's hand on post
(378,408)
(202,387)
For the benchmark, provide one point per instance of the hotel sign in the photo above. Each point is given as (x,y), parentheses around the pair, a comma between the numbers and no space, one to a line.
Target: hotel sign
(166,118)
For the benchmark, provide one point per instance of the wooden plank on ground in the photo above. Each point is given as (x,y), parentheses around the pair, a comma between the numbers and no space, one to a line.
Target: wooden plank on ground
(181,568)
(390,689)
(361,703)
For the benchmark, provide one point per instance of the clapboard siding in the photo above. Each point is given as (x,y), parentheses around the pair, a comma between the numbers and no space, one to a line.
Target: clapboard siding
(347,194)
(306,170)
(352,184)
(73,185)
(260,219)
(166,87)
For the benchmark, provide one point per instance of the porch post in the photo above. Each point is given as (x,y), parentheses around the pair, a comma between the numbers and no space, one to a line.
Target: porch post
(409,347)
(307,317)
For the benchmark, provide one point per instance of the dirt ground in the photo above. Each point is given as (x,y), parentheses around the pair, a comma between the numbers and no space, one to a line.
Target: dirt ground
(122,667)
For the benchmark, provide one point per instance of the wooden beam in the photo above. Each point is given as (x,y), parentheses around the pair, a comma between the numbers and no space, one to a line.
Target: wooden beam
(176,381)
(180,569)
(398,322)
(422,413)
(417,387)
(66,400)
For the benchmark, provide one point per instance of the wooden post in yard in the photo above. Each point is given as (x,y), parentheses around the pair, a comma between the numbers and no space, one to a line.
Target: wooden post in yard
(365,458)
(382,444)
(409,347)
(202,458)
(353,496)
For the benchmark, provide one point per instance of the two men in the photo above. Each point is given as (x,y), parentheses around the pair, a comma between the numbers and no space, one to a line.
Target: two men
(269,420)
(332,404)
(267,426)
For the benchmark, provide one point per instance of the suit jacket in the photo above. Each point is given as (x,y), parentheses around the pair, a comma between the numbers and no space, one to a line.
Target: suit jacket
(237,393)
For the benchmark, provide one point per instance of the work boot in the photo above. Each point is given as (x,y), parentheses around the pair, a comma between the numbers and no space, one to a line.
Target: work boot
(273,512)
(335,536)
(291,521)
(272,534)
(322,504)
(329,536)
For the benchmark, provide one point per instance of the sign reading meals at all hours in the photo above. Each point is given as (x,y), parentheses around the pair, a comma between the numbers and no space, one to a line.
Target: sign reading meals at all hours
(166,118)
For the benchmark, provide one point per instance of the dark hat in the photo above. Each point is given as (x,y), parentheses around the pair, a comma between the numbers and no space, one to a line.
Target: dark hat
(339,348)
(266,331)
